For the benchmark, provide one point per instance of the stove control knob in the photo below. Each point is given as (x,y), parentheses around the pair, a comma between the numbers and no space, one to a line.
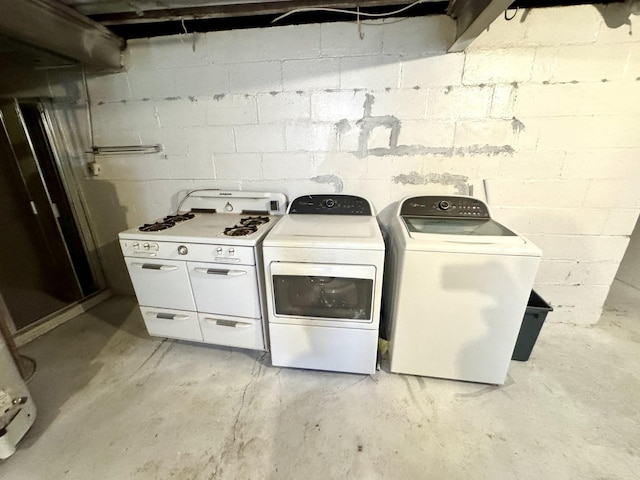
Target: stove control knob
(219,249)
(135,245)
(145,246)
(231,251)
(182,250)
(444,205)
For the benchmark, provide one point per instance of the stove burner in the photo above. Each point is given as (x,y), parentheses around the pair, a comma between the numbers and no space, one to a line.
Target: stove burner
(254,221)
(240,231)
(167,222)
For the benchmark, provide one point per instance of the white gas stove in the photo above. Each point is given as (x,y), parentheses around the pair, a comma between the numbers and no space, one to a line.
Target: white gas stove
(198,274)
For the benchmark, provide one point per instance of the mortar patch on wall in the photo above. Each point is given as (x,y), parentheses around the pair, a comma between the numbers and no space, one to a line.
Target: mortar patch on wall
(391,123)
(459,182)
(337,182)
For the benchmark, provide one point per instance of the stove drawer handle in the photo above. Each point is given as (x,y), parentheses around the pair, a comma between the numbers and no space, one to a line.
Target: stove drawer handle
(228,323)
(168,316)
(155,266)
(220,271)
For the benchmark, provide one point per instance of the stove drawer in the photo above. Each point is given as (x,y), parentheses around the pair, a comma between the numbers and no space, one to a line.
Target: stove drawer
(225,289)
(162,283)
(163,322)
(232,331)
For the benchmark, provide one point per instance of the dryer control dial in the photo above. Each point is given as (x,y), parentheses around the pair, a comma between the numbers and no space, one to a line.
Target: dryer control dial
(444,205)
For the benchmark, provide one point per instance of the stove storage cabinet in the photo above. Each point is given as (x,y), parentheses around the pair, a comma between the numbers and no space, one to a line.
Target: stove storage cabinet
(198,292)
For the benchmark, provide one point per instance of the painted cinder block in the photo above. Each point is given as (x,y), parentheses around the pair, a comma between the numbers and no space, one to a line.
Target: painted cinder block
(337,105)
(283,107)
(503,100)
(408,104)
(418,36)
(541,26)
(537,193)
(591,62)
(169,51)
(560,272)
(287,166)
(208,140)
(314,74)
(544,64)
(427,135)
(459,102)
(109,88)
(250,78)
(578,300)
(398,168)
(129,115)
(432,71)
(342,39)
(532,164)
(553,221)
(509,133)
(371,72)
(621,221)
(259,138)
(232,166)
(576,315)
(182,113)
(498,66)
(148,83)
(235,46)
(603,163)
(344,165)
(205,81)
(232,110)
(592,248)
(575,99)
(311,137)
(278,42)
(588,132)
(196,166)
(605,193)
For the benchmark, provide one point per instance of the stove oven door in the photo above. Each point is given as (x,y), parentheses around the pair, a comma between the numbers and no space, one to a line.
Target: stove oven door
(225,289)
(161,283)
(321,294)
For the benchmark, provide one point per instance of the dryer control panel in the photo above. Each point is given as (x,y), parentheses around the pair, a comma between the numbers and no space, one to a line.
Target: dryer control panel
(445,206)
(336,204)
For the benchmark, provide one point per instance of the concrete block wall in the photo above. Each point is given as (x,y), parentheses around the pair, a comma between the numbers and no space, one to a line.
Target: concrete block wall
(543,110)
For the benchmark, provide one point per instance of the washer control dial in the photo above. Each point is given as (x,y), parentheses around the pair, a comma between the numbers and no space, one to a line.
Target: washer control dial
(444,205)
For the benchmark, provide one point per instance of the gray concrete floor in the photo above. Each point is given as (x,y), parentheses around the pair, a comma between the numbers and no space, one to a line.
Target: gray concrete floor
(115,403)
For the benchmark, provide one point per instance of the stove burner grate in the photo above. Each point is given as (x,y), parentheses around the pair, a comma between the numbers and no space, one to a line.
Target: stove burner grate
(167,222)
(254,221)
(240,231)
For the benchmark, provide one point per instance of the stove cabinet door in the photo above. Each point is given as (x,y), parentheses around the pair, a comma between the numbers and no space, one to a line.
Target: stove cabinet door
(225,289)
(165,322)
(161,283)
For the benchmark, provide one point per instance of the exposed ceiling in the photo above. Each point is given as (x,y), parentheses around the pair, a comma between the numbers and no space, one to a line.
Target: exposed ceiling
(53,33)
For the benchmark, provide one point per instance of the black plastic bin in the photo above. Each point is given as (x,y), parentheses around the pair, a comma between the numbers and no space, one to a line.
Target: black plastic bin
(532,322)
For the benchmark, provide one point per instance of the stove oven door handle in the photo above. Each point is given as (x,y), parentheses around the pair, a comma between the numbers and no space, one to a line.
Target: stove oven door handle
(168,316)
(154,266)
(228,323)
(220,271)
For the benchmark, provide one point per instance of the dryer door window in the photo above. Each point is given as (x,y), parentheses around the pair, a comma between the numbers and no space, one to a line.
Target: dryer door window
(324,292)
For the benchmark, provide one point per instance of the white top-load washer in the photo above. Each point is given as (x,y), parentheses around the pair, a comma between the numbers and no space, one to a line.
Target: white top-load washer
(323,264)
(458,290)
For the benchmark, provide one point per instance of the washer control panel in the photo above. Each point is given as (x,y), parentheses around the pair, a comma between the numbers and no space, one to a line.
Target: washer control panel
(331,205)
(444,206)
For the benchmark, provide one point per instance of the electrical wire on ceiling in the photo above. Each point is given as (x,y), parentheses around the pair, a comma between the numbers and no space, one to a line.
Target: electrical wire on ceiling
(357,12)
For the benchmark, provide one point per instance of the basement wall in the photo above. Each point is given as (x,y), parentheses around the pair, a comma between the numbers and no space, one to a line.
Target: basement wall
(543,110)
(629,271)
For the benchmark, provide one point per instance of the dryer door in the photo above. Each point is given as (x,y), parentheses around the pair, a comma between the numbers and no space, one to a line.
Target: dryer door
(336,293)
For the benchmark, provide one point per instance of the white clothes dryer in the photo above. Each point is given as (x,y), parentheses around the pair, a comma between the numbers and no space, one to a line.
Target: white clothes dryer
(457,291)
(323,265)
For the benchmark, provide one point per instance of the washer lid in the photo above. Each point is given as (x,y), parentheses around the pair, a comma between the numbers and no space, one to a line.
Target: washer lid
(482,227)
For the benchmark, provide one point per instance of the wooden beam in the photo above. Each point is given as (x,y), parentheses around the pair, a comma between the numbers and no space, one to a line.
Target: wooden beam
(50,25)
(472,18)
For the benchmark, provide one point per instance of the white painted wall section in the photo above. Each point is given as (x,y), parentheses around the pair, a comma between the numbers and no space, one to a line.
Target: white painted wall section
(545,109)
